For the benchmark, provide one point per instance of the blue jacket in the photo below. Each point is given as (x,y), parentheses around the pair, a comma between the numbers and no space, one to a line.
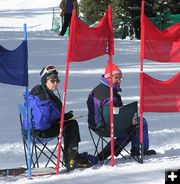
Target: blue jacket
(99,96)
(44,111)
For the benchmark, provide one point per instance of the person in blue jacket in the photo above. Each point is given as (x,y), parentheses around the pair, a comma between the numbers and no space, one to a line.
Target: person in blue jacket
(100,95)
(45,109)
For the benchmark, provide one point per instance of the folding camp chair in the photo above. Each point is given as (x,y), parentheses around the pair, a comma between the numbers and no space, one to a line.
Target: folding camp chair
(123,121)
(40,147)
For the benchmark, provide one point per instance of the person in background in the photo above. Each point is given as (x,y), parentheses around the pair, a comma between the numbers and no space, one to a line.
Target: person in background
(67,7)
(100,95)
(45,108)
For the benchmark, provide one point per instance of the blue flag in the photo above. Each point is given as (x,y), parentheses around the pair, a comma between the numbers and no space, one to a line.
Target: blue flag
(13,65)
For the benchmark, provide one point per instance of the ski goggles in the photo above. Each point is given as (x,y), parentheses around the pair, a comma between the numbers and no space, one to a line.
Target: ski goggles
(48,70)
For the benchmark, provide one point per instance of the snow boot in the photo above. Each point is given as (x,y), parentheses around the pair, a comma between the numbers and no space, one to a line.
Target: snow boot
(150,152)
(71,159)
(146,152)
(82,162)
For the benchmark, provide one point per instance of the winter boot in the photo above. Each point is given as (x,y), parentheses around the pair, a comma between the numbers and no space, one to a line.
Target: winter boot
(82,162)
(146,152)
(72,157)
(150,152)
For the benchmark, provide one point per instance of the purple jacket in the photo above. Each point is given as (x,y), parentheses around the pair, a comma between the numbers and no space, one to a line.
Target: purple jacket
(100,96)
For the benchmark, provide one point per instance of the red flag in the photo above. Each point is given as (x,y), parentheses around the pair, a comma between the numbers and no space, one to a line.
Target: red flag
(162,46)
(161,96)
(89,42)
(86,43)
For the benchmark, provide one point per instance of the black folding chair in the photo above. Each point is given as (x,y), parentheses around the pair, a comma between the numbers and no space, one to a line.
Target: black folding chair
(123,121)
(40,147)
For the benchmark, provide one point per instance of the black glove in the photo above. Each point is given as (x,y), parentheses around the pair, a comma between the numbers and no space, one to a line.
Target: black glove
(100,127)
(68,115)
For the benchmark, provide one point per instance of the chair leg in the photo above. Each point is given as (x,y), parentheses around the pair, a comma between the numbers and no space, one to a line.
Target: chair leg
(95,145)
(25,153)
(32,155)
(37,151)
(36,155)
(52,154)
(41,152)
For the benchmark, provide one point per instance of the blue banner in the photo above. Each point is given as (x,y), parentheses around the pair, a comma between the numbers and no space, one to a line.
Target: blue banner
(13,65)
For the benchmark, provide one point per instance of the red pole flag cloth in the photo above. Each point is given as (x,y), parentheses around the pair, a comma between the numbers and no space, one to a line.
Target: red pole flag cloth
(161,96)
(90,42)
(162,46)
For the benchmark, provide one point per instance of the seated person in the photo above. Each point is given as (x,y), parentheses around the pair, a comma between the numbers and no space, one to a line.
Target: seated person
(100,95)
(46,112)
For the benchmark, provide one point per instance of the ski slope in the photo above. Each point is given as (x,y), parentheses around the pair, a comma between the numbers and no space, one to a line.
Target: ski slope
(46,47)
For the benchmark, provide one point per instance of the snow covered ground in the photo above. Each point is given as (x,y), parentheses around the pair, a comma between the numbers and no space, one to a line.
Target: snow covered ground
(45,47)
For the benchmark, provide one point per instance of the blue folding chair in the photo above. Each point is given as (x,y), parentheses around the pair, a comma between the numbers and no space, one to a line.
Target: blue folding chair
(39,146)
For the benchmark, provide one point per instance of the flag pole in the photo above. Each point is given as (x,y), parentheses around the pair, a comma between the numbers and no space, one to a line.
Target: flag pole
(28,123)
(111,52)
(111,113)
(141,81)
(62,118)
(68,59)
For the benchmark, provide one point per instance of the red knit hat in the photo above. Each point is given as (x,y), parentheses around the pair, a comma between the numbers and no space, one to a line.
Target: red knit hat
(115,70)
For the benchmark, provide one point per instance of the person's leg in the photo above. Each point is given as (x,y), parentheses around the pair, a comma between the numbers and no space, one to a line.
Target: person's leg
(71,140)
(135,138)
(119,143)
(135,141)
(67,20)
(50,132)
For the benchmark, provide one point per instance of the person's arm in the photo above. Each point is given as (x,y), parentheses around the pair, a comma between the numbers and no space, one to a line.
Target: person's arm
(62,7)
(76,6)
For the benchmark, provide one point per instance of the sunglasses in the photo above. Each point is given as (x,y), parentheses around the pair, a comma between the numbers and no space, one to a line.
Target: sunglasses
(54,80)
(48,69)
(118,78)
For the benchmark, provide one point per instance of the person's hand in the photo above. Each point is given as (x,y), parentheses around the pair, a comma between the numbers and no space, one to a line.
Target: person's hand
(62,14)
(68,115)
(62,7)
(135,119)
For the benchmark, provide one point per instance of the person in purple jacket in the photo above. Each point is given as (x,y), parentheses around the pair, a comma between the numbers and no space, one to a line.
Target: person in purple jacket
(99,96)
(45,109)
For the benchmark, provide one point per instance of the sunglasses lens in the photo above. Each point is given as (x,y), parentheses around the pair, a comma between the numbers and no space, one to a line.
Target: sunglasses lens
(118,78)
(54,80)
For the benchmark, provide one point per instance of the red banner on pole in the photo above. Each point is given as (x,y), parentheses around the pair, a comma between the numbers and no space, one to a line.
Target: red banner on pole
(161,46)
(161,96)
(89,42)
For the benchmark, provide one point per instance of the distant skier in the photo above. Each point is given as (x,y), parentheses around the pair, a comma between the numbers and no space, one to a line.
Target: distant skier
(100,95)
(66,7)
